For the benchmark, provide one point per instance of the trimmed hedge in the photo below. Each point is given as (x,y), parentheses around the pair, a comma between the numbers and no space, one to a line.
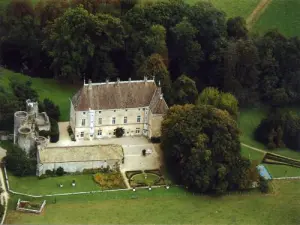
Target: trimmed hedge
(156,172)
(129,174)
(54,132)
(274,159)
(155,139)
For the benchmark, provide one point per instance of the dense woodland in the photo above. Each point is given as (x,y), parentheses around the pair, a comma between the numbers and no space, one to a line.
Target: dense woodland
(99,39)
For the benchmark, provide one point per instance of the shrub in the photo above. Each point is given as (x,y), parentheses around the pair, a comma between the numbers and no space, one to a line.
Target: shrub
(70,131)
(54,132)
(155,139)
(43,176)
(144,152)
(119,132)
(18,162)
(44,133)
(264,185)
(51,109)
(49,172)
(109,180)
(60,171)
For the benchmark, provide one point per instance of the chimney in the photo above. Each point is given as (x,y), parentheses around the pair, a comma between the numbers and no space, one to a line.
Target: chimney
(107,80)
(118,80)
(145,79)
(129,79)
(161,96)
(90,84)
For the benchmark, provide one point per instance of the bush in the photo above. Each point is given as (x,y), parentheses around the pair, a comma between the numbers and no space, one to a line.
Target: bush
(264,185)
(119,132)
(49,173)
(155,139)
(43,176)
(51,109)
(54,132)
(60,171)
(44,133)
(144,152)
(18,162)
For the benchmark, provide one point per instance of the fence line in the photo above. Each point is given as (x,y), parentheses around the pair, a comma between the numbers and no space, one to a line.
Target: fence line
(5,211)
(74,193)
(286,178)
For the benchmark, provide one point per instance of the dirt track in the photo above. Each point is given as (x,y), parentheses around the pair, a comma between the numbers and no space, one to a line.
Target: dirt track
(257,12)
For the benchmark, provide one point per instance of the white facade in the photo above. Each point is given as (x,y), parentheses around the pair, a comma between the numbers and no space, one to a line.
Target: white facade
(102,123)
(95,124)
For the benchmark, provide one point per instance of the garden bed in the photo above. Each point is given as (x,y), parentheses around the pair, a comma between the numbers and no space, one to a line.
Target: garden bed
(113,180)
(145,178)
(32,207)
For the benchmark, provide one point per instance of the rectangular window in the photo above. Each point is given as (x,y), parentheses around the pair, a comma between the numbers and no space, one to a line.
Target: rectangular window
(125,119)
(83,122)
(81,134)
(137,130)
(100,121)
(99,132)
(113,120)
(138,119)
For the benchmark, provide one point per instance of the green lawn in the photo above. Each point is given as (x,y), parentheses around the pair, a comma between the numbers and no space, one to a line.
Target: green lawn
(34,186)
(234,8)
(283,15)
(248,121)
(46,88)
(171,206)
(251,154)
(282,170)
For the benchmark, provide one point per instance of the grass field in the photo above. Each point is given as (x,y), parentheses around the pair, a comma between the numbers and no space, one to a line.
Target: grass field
(234,8)
(171,206)
(33,185)
(46,88)
(283,15)
(248,121)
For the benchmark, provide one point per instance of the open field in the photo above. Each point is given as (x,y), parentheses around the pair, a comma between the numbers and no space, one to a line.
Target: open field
(248,121)
(46,88)
(171,206)
(34,186)
(233,8)
(283,15)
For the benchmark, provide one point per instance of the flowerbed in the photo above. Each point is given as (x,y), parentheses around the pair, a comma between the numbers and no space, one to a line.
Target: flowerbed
(113,180)
(29,205)
(147,178)
(129,174)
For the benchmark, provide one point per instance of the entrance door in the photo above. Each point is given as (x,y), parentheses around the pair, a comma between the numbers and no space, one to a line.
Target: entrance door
(92,118)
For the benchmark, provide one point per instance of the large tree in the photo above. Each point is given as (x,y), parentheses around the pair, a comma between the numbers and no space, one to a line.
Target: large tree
(184,90)
(241,70)
(214,97)
(201,146)
(74,39)
(185,48)
(154,66)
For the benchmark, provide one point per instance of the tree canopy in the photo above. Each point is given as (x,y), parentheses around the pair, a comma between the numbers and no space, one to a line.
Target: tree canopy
(201,145)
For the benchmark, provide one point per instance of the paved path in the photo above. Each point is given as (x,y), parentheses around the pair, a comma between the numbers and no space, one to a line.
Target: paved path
(264,151)
(4,195)
(257,12)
